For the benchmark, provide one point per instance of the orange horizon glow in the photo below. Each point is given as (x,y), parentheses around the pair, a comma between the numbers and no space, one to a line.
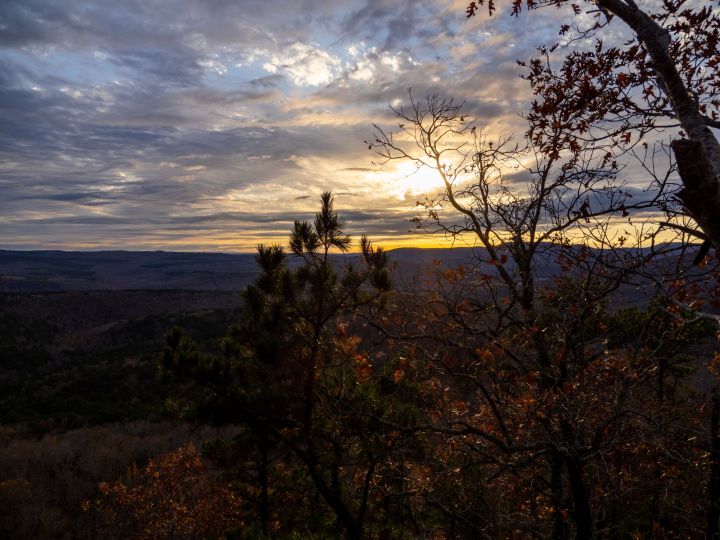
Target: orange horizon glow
(247,244)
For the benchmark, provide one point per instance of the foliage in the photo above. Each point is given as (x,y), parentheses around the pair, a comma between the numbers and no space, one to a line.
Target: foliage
(294,376)
(530,393)
(173,497)
(613,94)
(46,476)
(72,360)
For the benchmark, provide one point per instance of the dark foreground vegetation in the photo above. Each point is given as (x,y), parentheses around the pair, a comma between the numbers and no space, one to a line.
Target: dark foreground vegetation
(80,399)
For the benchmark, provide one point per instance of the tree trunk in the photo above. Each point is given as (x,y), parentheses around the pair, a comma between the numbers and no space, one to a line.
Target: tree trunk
(699,161)
(560,531)
(713,522)
(583,513)
(701,191)
(264,499)
(353,527)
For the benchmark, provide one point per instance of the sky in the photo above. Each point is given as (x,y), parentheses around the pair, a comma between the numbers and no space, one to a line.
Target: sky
(211,125)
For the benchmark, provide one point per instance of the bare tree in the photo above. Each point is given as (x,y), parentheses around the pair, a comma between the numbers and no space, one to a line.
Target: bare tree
(539,400)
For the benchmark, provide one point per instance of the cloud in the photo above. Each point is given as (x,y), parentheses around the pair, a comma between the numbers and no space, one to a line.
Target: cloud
(190,124)
(305,65)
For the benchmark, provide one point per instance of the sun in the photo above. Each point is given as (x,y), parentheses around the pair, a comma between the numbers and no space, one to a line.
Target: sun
(407,179)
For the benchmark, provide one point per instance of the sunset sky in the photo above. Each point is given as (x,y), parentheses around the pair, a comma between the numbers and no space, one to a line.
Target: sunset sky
(210,125)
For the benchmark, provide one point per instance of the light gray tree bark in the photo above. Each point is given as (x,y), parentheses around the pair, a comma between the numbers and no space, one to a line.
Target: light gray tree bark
(698,156)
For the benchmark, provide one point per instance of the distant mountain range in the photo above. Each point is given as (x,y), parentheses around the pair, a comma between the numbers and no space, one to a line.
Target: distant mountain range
(56,271)
(45,271)
(48,271)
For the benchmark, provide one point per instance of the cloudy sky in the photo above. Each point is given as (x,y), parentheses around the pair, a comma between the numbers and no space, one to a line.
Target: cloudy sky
(210,125)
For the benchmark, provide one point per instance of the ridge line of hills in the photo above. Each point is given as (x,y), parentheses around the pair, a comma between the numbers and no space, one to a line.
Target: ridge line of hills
(40,271)
(35,271)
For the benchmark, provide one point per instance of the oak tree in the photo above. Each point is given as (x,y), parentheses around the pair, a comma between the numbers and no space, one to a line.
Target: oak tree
(666,75)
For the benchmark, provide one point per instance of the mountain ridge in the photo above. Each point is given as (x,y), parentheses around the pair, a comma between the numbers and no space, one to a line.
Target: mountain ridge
(40,271)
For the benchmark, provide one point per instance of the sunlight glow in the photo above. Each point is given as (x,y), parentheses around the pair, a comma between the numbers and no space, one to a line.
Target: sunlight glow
(408,180)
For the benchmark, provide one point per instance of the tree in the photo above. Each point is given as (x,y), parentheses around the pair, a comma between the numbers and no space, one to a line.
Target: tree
(668,70)
(298,380)
(174,497)
(533,401)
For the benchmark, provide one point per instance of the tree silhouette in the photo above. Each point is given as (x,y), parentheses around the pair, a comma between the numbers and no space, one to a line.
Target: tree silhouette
(295,378)
(532,399)
(667,71)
